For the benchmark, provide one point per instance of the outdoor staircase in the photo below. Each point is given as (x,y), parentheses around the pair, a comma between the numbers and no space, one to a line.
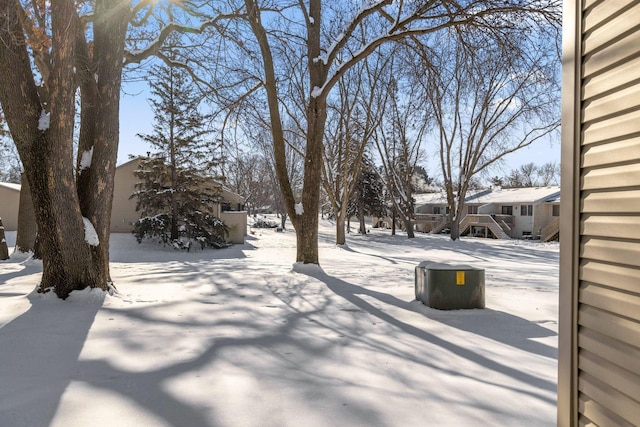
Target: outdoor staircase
(551,231)
(498,230)
(440,225)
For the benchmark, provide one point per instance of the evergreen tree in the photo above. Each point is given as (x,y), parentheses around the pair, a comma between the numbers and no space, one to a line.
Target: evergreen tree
(175,198)
(368,194)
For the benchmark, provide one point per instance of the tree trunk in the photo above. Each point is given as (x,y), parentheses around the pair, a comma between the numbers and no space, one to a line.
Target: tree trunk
(393,221)
(408,226)
(455,229)
(4,250)
(27,228)
(363,226)
(60,202)
(283,220)
(341,238)
(306,222)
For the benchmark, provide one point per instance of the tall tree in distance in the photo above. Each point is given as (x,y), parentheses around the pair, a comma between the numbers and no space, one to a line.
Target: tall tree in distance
(176,194)
(354,113)
(489,100)
(367,197)
(399,142)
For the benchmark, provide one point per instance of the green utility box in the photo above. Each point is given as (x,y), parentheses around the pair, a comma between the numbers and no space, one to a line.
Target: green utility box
(449,287)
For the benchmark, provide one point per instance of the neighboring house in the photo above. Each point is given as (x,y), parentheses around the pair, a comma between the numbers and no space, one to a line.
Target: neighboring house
(519,213)
(9,204)
(599,305)
(432,210)
(123,214)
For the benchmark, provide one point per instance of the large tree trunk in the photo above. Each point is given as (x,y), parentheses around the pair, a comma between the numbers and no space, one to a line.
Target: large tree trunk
(70,261)
(27,228)
(304,220)
(96,193)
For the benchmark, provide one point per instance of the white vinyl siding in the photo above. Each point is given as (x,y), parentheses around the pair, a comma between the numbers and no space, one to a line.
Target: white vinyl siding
(607,353)
(605,265)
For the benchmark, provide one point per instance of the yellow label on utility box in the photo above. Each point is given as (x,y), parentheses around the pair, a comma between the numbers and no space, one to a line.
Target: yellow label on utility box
(459,277)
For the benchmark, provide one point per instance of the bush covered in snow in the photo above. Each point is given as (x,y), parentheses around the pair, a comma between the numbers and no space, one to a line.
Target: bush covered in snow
(205,229)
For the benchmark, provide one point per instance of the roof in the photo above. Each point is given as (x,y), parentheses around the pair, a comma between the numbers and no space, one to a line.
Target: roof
(441,197)
(10,185)
(430,198)
(517,195)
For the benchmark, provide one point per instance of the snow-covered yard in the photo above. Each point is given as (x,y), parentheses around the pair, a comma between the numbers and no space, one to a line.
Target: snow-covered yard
(241,337)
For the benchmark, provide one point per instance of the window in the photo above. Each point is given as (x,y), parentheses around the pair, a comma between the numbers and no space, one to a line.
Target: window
(436,210)
(472,210)
(555,210)
(507,210)
(526,210)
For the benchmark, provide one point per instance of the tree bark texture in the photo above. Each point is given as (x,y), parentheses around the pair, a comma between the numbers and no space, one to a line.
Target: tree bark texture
(60,198)
(341,237)
(27,228)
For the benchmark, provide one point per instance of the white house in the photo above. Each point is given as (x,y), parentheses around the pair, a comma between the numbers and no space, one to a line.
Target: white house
(520,212)
(529,213)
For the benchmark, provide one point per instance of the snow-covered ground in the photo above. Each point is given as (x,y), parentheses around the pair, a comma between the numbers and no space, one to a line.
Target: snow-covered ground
(242,337)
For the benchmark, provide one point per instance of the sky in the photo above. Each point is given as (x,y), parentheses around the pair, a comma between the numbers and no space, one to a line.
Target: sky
(244,337)
(136,116)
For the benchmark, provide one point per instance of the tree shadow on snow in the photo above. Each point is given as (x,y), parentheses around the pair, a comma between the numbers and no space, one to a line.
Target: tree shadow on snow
(280,343)
(478,249)
(122,246)
(354,294)
(39,357)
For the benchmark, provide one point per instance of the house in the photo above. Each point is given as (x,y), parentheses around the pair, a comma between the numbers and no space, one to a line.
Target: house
(599,306)
(520,213)
(432,210)
(9,204)
(123,214)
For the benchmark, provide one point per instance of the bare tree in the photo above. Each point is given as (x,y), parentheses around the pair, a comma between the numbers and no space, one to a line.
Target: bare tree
(332,38)
(354,114)
(549,174)
(489,101)
(399,141)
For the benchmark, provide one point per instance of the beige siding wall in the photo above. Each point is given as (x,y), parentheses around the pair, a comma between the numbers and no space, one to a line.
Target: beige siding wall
(124,214)
(9,203)
(599,365)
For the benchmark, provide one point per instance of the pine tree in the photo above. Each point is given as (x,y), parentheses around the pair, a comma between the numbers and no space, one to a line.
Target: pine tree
(368,195)
(175,197)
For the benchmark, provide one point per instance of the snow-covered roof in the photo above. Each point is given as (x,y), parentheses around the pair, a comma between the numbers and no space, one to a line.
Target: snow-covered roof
(516,195)
(10,185)
(441,197)
(430,198)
